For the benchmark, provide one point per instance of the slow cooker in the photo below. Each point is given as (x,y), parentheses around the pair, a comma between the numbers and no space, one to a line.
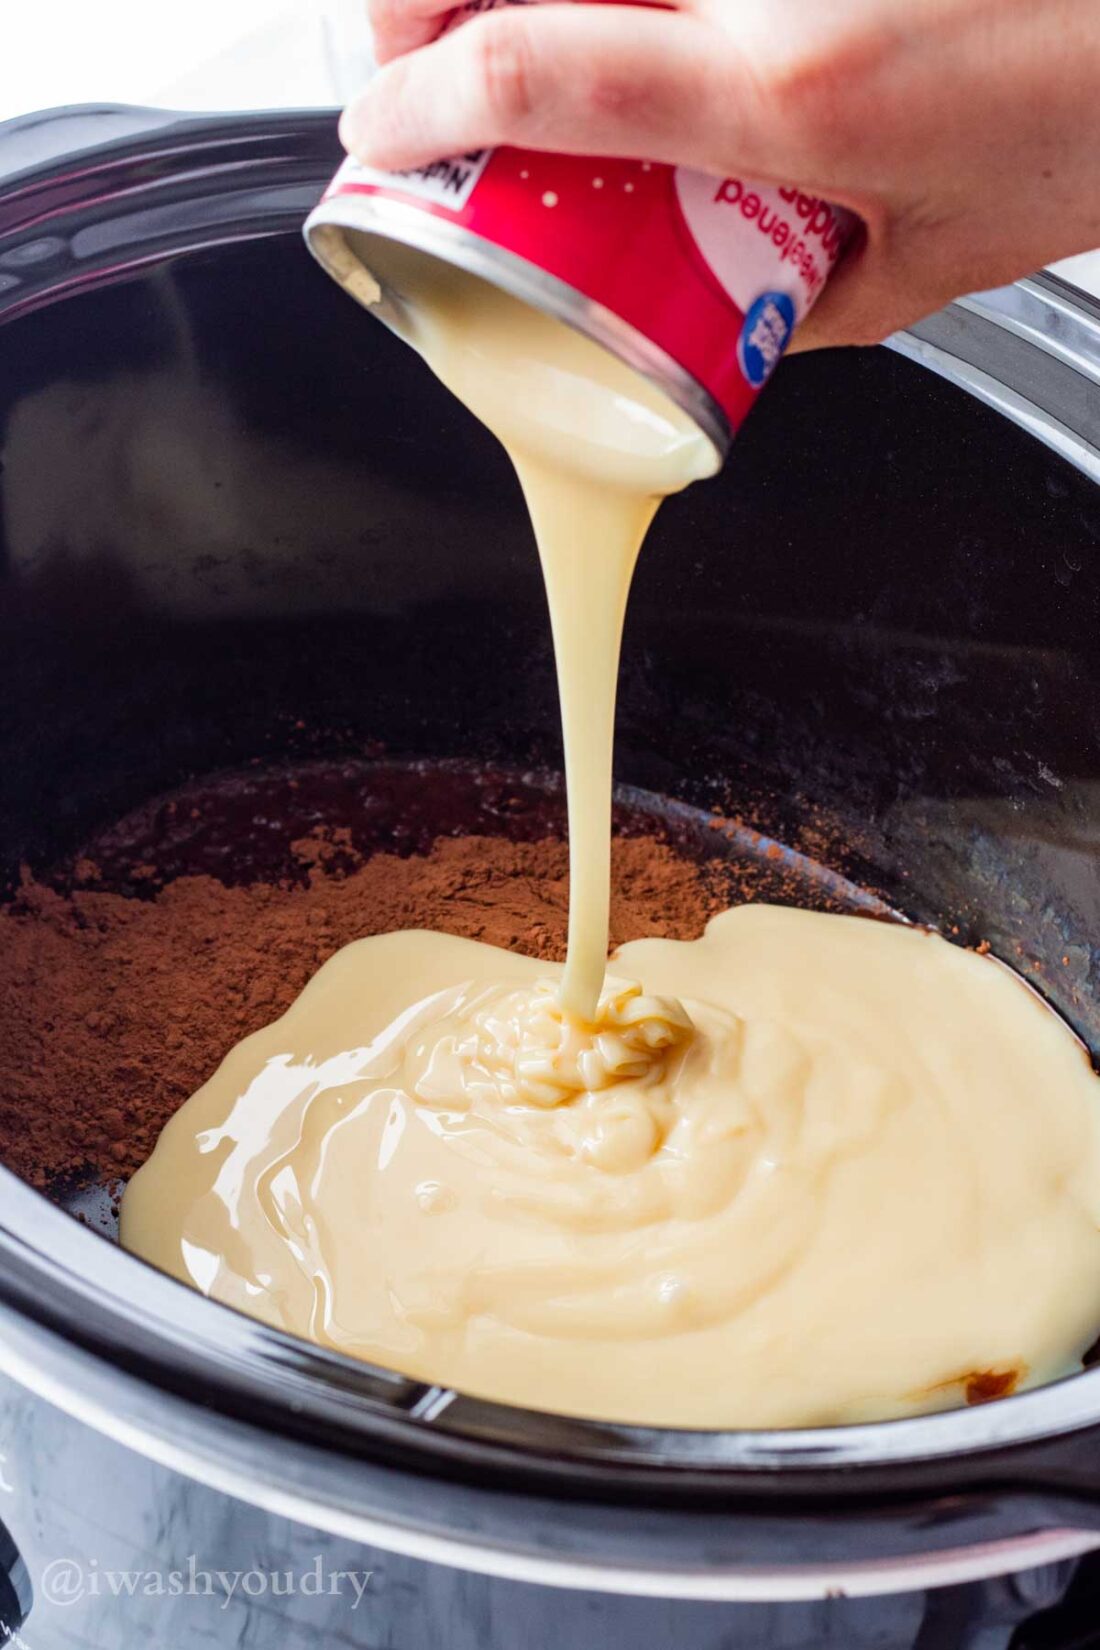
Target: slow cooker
(239,516)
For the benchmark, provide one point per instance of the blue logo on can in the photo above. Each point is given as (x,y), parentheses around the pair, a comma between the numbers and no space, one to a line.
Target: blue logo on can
(764,336)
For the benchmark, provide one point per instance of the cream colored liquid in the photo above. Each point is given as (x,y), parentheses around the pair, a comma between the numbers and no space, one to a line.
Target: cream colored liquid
(806,1169)
(871,1172)
(596,448)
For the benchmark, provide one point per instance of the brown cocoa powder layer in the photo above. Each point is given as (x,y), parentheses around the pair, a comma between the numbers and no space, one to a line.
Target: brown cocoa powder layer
(113,1009)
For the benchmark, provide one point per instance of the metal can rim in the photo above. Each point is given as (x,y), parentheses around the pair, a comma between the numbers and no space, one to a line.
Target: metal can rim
(454,243)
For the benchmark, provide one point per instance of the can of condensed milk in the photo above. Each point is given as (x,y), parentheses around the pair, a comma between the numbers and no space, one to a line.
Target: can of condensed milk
(695,281)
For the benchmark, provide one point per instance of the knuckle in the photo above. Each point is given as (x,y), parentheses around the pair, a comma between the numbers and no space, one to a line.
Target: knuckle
(823,92)
(504,68)
(639,95)
(605,89)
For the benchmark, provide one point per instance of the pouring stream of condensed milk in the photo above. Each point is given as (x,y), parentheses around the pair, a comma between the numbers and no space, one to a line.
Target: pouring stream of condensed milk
(806,1169)
(596,448)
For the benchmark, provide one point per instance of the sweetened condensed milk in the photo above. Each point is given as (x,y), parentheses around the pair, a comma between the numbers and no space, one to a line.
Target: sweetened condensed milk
(805,1169)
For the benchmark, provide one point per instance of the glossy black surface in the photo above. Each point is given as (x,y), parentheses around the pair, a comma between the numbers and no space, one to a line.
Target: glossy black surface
(241,523)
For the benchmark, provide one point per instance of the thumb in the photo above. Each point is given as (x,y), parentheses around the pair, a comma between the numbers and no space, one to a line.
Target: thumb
(873,292)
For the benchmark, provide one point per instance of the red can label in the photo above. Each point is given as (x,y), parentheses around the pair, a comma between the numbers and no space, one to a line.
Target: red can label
(714,271)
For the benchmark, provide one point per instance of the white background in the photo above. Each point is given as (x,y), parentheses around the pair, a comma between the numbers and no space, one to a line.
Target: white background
(204,54)
(194,54)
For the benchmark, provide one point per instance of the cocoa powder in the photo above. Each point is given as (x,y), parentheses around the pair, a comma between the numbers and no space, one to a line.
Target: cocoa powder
(114,1009)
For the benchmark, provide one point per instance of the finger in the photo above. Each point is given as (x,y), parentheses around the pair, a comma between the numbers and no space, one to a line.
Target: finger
(400,26)
(625,81)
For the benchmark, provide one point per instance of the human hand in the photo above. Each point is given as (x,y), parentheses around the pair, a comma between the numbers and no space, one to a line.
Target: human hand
(965,133)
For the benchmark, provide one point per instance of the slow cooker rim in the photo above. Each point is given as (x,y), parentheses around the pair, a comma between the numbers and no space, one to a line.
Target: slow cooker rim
(656,1547)
(49,1258)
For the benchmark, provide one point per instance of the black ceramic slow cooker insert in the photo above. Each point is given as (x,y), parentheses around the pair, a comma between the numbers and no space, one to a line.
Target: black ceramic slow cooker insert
(235,509)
